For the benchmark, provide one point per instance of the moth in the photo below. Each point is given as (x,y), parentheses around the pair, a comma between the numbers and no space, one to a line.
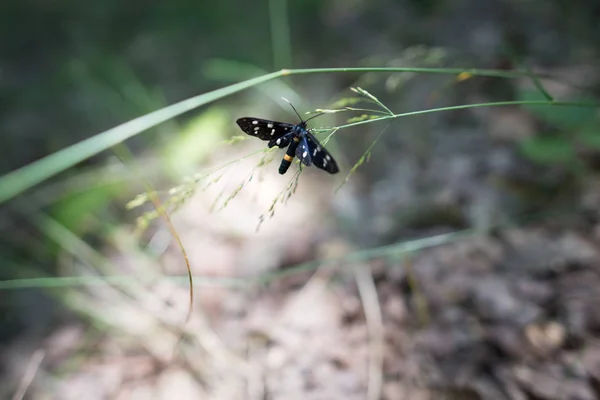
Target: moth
(296,137)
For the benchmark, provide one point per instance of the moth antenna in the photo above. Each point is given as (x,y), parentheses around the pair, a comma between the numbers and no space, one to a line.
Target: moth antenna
(315,116)
(296,111)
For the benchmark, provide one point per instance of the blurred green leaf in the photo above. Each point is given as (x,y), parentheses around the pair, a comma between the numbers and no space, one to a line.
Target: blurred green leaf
(73,210)
(590,137)
(563,117)
(547,150)
(196,141)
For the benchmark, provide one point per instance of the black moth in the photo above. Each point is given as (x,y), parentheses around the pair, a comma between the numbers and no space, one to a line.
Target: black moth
(301,142)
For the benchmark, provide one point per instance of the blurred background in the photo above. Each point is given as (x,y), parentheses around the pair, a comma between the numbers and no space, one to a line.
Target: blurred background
(455,255)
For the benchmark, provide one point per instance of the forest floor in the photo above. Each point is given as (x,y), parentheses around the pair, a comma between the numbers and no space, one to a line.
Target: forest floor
(506,315)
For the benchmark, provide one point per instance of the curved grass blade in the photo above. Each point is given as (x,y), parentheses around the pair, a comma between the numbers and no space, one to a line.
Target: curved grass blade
(30,175)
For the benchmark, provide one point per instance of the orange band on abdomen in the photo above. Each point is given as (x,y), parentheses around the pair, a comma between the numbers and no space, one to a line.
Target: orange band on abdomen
(288,158)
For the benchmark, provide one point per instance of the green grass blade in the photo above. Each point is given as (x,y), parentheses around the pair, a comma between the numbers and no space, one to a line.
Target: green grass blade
(28,176)
(24,178)
(400,248)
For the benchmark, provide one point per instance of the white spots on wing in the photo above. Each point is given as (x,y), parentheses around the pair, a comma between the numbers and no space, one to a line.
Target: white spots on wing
(315,152)
(272,131)
(318,148)
(327,157)
(254,122)
(256,129)
(278,141)
(304,154)
(269,126)
(324,163)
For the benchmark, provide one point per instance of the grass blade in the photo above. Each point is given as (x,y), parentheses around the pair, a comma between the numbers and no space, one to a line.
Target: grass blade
(24,178)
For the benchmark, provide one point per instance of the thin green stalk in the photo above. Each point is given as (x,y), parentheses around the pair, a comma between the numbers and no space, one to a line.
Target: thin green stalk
(463,106)
(498,73)
(124,154)
(536,81)
(369,96)
(362,158)
(32,174)
(396,249)
(538,84)
(367,110)
(280,34)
